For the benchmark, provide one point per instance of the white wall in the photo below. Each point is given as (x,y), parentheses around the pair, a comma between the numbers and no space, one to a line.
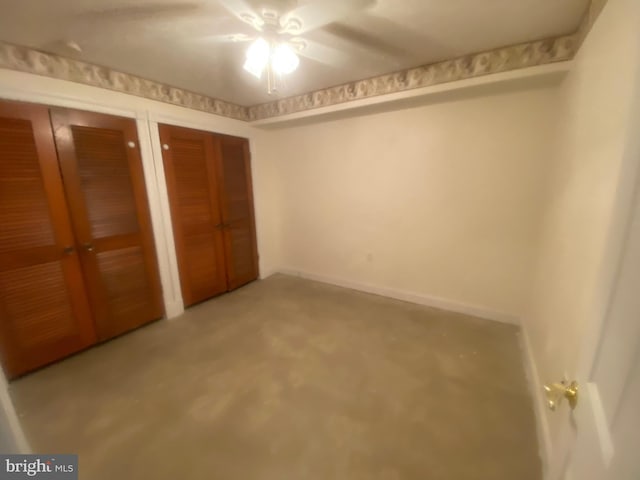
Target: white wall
(268,193)
(591,181)
(442,200)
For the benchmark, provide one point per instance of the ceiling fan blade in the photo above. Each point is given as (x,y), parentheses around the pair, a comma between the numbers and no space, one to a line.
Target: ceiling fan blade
(322,53)
(319,13)
(229,38)
(358,52)
(141,12)
(363,40)
(244,11)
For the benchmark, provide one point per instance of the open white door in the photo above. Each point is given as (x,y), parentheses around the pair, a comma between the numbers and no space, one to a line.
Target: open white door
(601,440)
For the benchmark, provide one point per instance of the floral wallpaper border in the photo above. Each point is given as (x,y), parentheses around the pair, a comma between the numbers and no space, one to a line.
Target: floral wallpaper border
(470,66)
(484,63)
(32,61)
(503,59)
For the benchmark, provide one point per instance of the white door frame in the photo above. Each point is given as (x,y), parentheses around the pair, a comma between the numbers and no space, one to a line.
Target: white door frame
(626,207)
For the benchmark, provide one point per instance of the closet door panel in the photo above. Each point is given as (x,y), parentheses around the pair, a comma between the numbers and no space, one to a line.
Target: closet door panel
(189,163)
(104,180)
(240,244)
(44,311)
(234,171)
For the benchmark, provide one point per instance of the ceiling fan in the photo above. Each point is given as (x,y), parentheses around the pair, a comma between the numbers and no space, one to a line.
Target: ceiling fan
(279,28)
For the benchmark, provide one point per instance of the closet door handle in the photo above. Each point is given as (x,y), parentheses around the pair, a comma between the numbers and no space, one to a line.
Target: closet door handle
(68,250)
(219,225)
(88,247)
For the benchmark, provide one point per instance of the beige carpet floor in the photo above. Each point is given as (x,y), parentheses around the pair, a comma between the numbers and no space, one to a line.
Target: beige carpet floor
(287,379)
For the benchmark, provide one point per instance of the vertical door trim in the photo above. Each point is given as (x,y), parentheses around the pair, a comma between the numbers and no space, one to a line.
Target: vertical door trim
(151,152)
(174,303)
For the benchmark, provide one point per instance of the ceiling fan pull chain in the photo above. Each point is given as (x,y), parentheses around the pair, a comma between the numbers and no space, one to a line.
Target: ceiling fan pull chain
(271,87)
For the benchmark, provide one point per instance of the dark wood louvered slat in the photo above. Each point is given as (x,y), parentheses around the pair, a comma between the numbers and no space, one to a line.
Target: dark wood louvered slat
(44,313)
(234,172)
(24,202)
(190,172)
(104,182)
(38,297)
(126,287)
(206,272)
(241,252)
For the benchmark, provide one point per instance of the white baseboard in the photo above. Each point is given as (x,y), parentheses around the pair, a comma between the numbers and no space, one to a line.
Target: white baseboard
(407,296)
(531,369)
(539,402)
(267,272)
(173,309)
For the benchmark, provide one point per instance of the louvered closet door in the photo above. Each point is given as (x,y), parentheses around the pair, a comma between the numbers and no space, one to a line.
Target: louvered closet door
(234,172)
(189,163)
(104,181)
(44,311)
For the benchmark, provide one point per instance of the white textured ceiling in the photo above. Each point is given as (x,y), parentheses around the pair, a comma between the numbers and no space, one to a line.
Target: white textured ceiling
(178,42)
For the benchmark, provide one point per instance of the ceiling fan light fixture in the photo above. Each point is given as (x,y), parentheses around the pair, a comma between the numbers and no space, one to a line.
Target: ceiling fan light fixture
(238,37)
(252,20)
(284,59)
(292,25)
(257,57)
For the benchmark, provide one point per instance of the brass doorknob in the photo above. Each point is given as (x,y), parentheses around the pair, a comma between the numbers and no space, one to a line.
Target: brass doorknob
(557,391)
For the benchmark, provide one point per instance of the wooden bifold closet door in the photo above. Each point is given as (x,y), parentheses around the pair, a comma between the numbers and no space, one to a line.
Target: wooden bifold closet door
(44,311)
(209,185)
(104,181)
(234,173)
(77,259)
(195,213)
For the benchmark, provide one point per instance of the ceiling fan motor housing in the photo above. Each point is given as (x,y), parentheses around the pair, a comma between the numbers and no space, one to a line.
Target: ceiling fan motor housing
(270,16)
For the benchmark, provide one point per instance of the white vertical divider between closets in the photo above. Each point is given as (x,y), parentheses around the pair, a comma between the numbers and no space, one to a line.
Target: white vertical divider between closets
(151,153)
